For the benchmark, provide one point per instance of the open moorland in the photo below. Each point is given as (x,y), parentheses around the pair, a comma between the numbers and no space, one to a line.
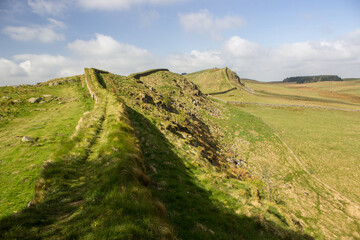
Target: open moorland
(150,156)
(318,124)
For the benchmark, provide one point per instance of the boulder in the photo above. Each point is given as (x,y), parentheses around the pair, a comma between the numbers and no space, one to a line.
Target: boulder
(47,96)
(34,100)
(27,139)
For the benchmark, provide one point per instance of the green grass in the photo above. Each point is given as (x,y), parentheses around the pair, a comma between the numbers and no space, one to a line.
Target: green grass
(211,81)
(94,186)
(50,123)
(326,141)
(197,197)
(276,141)
(160,169)
(344,94)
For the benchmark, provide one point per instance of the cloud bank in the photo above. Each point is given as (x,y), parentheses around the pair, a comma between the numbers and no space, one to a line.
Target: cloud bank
(249,59)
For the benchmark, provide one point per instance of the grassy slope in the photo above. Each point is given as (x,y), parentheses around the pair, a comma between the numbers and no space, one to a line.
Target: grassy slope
(95,185)
(321,138)
(51,122)
(339,147)
(324,94)
(212,80)
(93,188)
(202,202)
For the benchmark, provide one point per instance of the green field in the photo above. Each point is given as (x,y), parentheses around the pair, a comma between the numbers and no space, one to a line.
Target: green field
(215,80)
(318,127)
(343,95)
(326,141)
(149,156)
(48,123)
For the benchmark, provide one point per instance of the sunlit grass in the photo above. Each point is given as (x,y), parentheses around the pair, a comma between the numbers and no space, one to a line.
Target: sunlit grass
(48,124)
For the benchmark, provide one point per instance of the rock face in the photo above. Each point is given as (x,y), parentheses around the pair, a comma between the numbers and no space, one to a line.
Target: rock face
(27,139)
(34,100)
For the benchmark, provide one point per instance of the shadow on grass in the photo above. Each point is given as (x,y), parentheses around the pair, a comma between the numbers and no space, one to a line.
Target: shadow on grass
(97,200)
(190,209)
(31,222)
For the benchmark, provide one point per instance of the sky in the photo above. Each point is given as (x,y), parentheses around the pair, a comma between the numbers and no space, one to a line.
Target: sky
(265,40)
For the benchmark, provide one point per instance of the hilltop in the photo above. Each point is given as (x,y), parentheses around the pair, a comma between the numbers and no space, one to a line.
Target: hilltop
(215,81)
(151,156)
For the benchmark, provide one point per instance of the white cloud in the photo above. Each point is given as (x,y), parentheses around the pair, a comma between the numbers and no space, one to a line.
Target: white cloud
(194,61)
(51,7)
(204,22)
(105,46)
(103,52)
(251,60)
(42,67)
(31,68)
(107,53)
(248,59)
(340,56)
(113,5)
(9,71)
(239,47)
(46,34)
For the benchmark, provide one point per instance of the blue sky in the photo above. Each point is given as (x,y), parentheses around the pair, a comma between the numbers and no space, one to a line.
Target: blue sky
(266,40)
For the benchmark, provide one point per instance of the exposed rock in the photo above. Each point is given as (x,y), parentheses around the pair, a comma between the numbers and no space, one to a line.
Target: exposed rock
(16,101)
(27,139)
(54,83)
(146,98)
(5,97)
(35,100)
(47,96)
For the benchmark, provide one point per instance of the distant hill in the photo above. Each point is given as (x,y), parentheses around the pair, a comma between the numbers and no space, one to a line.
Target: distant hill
(309,79)
(215,80)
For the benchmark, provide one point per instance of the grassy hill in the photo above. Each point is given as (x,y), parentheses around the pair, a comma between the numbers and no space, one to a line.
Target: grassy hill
(150,156)
(215,80)
(313,122)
